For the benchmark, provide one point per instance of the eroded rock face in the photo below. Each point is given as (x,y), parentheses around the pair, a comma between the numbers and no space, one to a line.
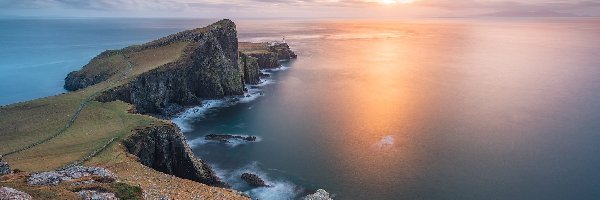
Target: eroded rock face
(321,194)
(209,68)
(266,59)
(7,193)
(72,174)
(251,69)
(283,51)
(253,180)
(4,168)
(164,148)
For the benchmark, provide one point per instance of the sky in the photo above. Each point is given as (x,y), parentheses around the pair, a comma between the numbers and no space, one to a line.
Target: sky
(297,8)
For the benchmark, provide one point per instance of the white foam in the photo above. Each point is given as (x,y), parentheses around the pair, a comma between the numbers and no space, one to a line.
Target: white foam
(182,119)
(197,142)
(279,189)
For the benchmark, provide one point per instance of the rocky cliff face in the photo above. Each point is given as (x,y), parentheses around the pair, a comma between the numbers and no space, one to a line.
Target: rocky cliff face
(165,149)
(209,68)
(251,69)
(268,55)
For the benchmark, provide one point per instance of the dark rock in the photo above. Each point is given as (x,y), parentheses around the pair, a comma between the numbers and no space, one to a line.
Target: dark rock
(7,193)
(164,148)
(4,168)
(263,75)
(226,137)
(251,72)
(266,59)
(253,180)
(283,51)
(72,174)
(96,195)
(321,194)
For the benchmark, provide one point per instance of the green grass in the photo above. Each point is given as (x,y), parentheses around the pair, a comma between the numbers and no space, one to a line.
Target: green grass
(27,123)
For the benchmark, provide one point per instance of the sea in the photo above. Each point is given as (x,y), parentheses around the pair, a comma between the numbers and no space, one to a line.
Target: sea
(373,109)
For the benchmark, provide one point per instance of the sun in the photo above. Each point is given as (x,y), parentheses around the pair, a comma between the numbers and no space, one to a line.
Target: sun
(396,1)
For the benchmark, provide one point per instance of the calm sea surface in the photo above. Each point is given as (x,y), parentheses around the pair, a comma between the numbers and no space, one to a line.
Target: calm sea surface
(426,109)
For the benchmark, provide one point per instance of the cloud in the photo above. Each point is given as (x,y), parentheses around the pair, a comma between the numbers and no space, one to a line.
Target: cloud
(298,8)
(95,4)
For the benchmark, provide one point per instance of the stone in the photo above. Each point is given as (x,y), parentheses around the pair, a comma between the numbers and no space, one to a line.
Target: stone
(72,174)
(96,195)
(4,168)
(226,137)
(253,180)
(321,194)
(7,193)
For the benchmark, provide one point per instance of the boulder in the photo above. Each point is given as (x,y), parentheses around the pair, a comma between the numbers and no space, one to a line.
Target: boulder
(96,195)
(253,180)
(12,194)
(321,194)
(72,174)
(4,168)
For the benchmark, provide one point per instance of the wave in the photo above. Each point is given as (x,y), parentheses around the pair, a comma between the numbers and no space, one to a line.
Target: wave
(182,119)
(279,189)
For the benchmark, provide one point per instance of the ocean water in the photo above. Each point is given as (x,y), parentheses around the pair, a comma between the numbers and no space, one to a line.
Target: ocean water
(407,109)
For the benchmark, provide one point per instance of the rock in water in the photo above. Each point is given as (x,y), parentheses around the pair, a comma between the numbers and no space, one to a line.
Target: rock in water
(96,195)
(226,137)
(4,168)
(321,194)
(12,194)
(253,180)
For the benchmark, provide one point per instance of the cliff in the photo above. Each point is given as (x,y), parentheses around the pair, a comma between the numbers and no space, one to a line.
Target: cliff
(160,78)
(268,55)
(251,69)
(165,149)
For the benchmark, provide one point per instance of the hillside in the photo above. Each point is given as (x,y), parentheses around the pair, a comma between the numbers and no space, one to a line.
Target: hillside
(115,109)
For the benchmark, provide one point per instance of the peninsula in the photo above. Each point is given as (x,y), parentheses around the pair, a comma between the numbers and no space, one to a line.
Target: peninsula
(111,135)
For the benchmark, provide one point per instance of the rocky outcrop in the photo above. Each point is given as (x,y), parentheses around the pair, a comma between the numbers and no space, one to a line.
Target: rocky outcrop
(209,68)
(321,194)
(96,195)
(265,59)
(253,180)
(225,138)
(251,69)
(268,55)
(76,174)
(7,193)
(4,168)
(164,148)
(283,51)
